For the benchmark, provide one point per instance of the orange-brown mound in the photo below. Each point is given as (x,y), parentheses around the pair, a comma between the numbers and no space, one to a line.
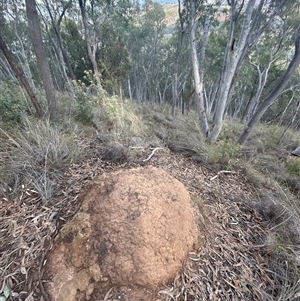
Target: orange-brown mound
(135,227)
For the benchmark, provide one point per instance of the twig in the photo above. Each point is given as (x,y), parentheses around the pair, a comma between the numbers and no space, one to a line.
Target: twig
(151,155)
(107,295)
(220,172)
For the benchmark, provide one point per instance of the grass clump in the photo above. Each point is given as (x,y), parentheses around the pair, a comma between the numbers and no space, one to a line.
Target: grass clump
(225,153)
(293,165)
(119,118)
(36,156)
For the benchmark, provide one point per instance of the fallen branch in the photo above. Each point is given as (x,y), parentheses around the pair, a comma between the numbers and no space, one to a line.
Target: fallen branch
(153,152)
(220,172)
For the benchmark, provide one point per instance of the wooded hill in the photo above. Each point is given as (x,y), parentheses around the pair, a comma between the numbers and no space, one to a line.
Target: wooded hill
(235,61)
(92,86)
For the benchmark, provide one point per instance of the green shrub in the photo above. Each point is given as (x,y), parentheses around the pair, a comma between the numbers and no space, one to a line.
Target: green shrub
(84,112)
(224,153)
(84,100)
(293,165)
(12,102)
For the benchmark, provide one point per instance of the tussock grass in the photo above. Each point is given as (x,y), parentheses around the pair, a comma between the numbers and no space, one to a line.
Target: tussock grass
(37,153)
(36,156)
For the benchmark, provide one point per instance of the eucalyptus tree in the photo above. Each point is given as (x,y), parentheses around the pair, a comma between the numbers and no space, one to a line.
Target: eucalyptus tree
(198,59)
(270,98)
(36,37)
(15,30)
(213,62)
(57,11)
(19,74)
(75,46)
(97,15)
(266,61)
(255,18)
(144,41)
(179,34)
(91,36)
(113,58)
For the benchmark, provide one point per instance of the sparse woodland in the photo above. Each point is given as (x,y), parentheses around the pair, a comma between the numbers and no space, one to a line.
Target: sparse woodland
(88,87)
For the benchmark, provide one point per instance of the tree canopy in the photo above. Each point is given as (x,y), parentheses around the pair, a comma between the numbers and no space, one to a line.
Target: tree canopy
(221,58)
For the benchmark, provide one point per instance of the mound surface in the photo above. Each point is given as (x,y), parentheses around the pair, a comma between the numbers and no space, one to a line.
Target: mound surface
(134,228)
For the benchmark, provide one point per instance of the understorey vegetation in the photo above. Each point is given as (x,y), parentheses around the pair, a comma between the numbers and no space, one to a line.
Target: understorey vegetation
(40,159)
(208,90)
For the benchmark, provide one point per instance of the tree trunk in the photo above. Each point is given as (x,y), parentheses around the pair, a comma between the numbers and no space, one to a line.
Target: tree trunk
(176,62)
(56,27)
(269,100)
(21,77)
(24,57)
(5,69)
(36,37)
(254,24)
(233,55)
(198,80)
(296,152)
(91,49)
(25,63)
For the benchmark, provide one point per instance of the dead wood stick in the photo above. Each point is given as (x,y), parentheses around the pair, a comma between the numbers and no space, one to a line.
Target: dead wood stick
(151,155)
(220,172)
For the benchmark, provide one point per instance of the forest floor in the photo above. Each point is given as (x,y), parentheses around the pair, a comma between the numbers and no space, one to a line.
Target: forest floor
(231,264)
(249,246)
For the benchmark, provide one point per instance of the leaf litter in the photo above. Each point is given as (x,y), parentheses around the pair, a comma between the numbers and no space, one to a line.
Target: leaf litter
(232,262)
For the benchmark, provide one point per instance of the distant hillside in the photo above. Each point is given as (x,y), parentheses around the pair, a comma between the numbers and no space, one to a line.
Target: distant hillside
(171,11)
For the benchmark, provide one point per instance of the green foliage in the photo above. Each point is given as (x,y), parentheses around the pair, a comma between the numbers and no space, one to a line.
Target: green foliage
(224,153)
(84,112)
(144,41)
(273,135)
(120,118)
(229,149)
(12,102)
(113,64)
(84,100)
(76,47)
(293,165)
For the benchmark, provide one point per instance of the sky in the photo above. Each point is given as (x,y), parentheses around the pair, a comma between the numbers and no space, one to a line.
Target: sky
(166,1)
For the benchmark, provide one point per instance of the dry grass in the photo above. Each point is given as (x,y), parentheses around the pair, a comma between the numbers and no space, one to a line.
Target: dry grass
(118,118)
(256,255)
(36,156)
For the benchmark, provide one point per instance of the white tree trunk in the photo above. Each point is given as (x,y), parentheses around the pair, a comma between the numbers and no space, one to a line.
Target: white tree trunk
(91,47)
(198,79)
(296,152)
(232,59)
(274,93)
